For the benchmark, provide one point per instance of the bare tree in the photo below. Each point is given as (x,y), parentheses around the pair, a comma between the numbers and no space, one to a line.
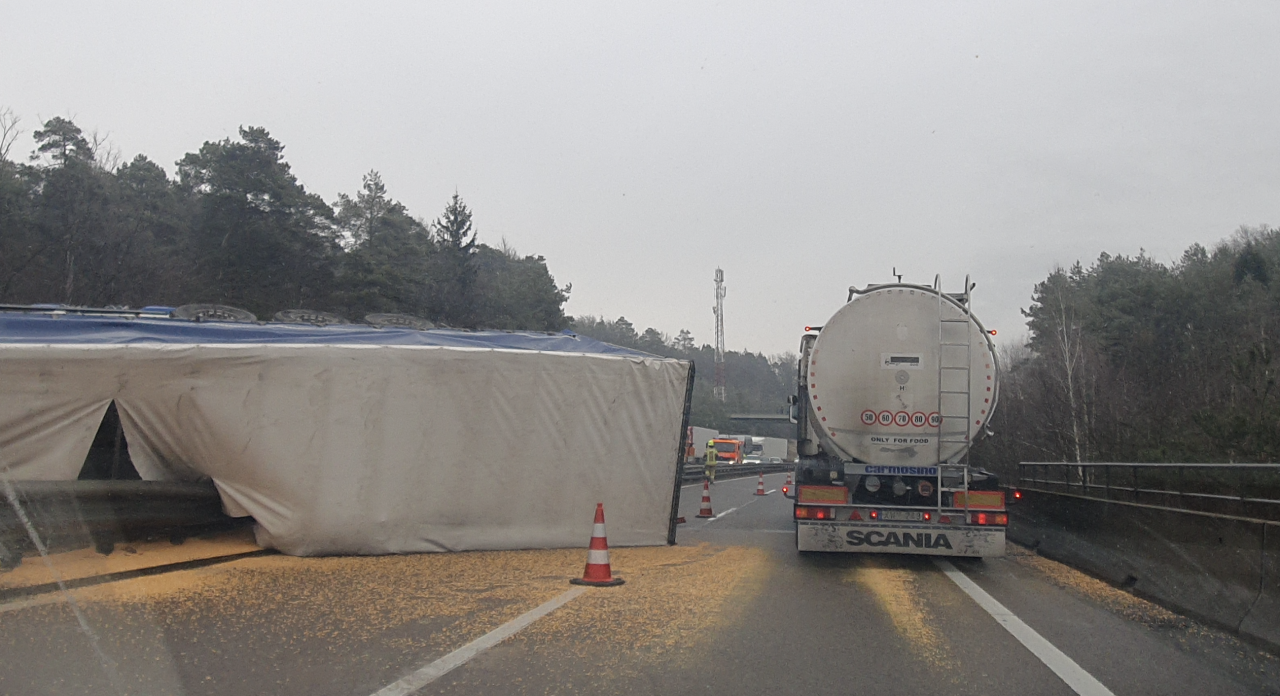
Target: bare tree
(1067,343)
(9,131)
(105,154)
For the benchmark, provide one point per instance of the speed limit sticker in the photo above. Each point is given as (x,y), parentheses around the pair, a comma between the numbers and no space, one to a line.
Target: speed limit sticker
(935,419)
(868,417)
(901,419)
(886,418)
(918,419)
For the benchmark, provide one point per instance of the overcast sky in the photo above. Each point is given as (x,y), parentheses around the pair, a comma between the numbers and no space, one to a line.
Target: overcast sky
(802,147)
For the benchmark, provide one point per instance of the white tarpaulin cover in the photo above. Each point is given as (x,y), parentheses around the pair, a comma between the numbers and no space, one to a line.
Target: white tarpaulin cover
(368,442)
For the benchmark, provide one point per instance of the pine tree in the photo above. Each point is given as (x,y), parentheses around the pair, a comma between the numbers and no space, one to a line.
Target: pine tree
(454,267)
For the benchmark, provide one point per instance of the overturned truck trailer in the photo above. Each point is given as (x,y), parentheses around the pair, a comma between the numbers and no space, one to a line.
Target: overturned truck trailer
(354,439)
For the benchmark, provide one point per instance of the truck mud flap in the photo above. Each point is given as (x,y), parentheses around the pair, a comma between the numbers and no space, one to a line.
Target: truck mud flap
(931,540)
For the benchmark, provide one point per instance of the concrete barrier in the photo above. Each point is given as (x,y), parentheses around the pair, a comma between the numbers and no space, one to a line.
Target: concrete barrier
(1263,620)
(1218,569)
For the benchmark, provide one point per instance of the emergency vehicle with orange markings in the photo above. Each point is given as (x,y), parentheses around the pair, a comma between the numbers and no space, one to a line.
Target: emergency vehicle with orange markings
(729,450)
(893,390)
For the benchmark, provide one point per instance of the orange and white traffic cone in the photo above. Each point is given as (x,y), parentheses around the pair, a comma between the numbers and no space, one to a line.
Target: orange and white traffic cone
(705,510)
(788,483)
(760,486)
(598,573)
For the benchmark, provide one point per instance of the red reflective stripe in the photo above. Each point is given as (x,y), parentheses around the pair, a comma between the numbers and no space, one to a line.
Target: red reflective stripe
(597,572)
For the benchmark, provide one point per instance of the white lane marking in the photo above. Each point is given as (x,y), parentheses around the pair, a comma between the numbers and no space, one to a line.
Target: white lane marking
(713,519)
(459,657)
(1073,674)
(772,491)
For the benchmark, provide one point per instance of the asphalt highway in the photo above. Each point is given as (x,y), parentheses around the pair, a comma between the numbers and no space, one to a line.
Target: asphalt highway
(815,624)
(732,609)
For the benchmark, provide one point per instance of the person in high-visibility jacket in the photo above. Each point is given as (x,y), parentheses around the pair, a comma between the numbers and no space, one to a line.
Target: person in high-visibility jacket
(709,470)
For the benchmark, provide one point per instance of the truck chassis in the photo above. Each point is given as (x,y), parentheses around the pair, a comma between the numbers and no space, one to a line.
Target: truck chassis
(826,520)
(891,537)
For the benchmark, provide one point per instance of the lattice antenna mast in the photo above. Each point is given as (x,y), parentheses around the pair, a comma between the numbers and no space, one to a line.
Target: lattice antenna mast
(719,390)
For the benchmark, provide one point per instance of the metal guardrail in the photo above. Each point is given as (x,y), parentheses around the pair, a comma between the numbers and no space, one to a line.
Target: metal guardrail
(1241,490)
(67,514)
(694,472)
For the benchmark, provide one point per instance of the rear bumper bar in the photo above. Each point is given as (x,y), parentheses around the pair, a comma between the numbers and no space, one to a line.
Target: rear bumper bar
(926,539)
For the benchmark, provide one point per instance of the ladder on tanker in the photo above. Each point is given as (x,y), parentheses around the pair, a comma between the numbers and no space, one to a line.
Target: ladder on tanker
(955,360)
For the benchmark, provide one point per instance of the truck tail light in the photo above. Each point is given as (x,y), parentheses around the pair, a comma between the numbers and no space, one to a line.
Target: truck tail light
(875,514)
(991,518)
(806,512)
(928,516)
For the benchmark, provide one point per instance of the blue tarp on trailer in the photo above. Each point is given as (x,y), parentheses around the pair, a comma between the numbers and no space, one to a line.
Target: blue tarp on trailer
(355,439)
(50,328)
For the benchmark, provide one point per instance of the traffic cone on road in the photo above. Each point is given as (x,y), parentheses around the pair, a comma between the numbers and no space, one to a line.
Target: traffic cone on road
(705,510)
(760,486)
(598,573)
(788,483)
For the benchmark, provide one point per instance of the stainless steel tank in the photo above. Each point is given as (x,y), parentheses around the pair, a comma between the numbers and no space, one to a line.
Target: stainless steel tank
(903,375)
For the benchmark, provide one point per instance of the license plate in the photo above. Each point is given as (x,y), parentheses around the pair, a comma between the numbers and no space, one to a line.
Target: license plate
(901,516)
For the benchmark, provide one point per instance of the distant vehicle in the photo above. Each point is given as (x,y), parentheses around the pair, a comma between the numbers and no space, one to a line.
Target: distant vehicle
(728,450)
(775,460)
(771,447)
(752,461)
(906,382)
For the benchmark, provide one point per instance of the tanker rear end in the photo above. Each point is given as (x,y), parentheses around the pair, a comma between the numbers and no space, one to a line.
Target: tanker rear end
(893,390)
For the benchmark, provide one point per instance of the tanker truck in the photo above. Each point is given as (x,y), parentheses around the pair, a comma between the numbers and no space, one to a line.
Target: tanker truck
(892,392)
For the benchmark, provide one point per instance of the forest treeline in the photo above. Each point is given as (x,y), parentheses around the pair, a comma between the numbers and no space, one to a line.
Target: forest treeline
(754,383)
(236,227)
(1127,360)
(1131,360)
